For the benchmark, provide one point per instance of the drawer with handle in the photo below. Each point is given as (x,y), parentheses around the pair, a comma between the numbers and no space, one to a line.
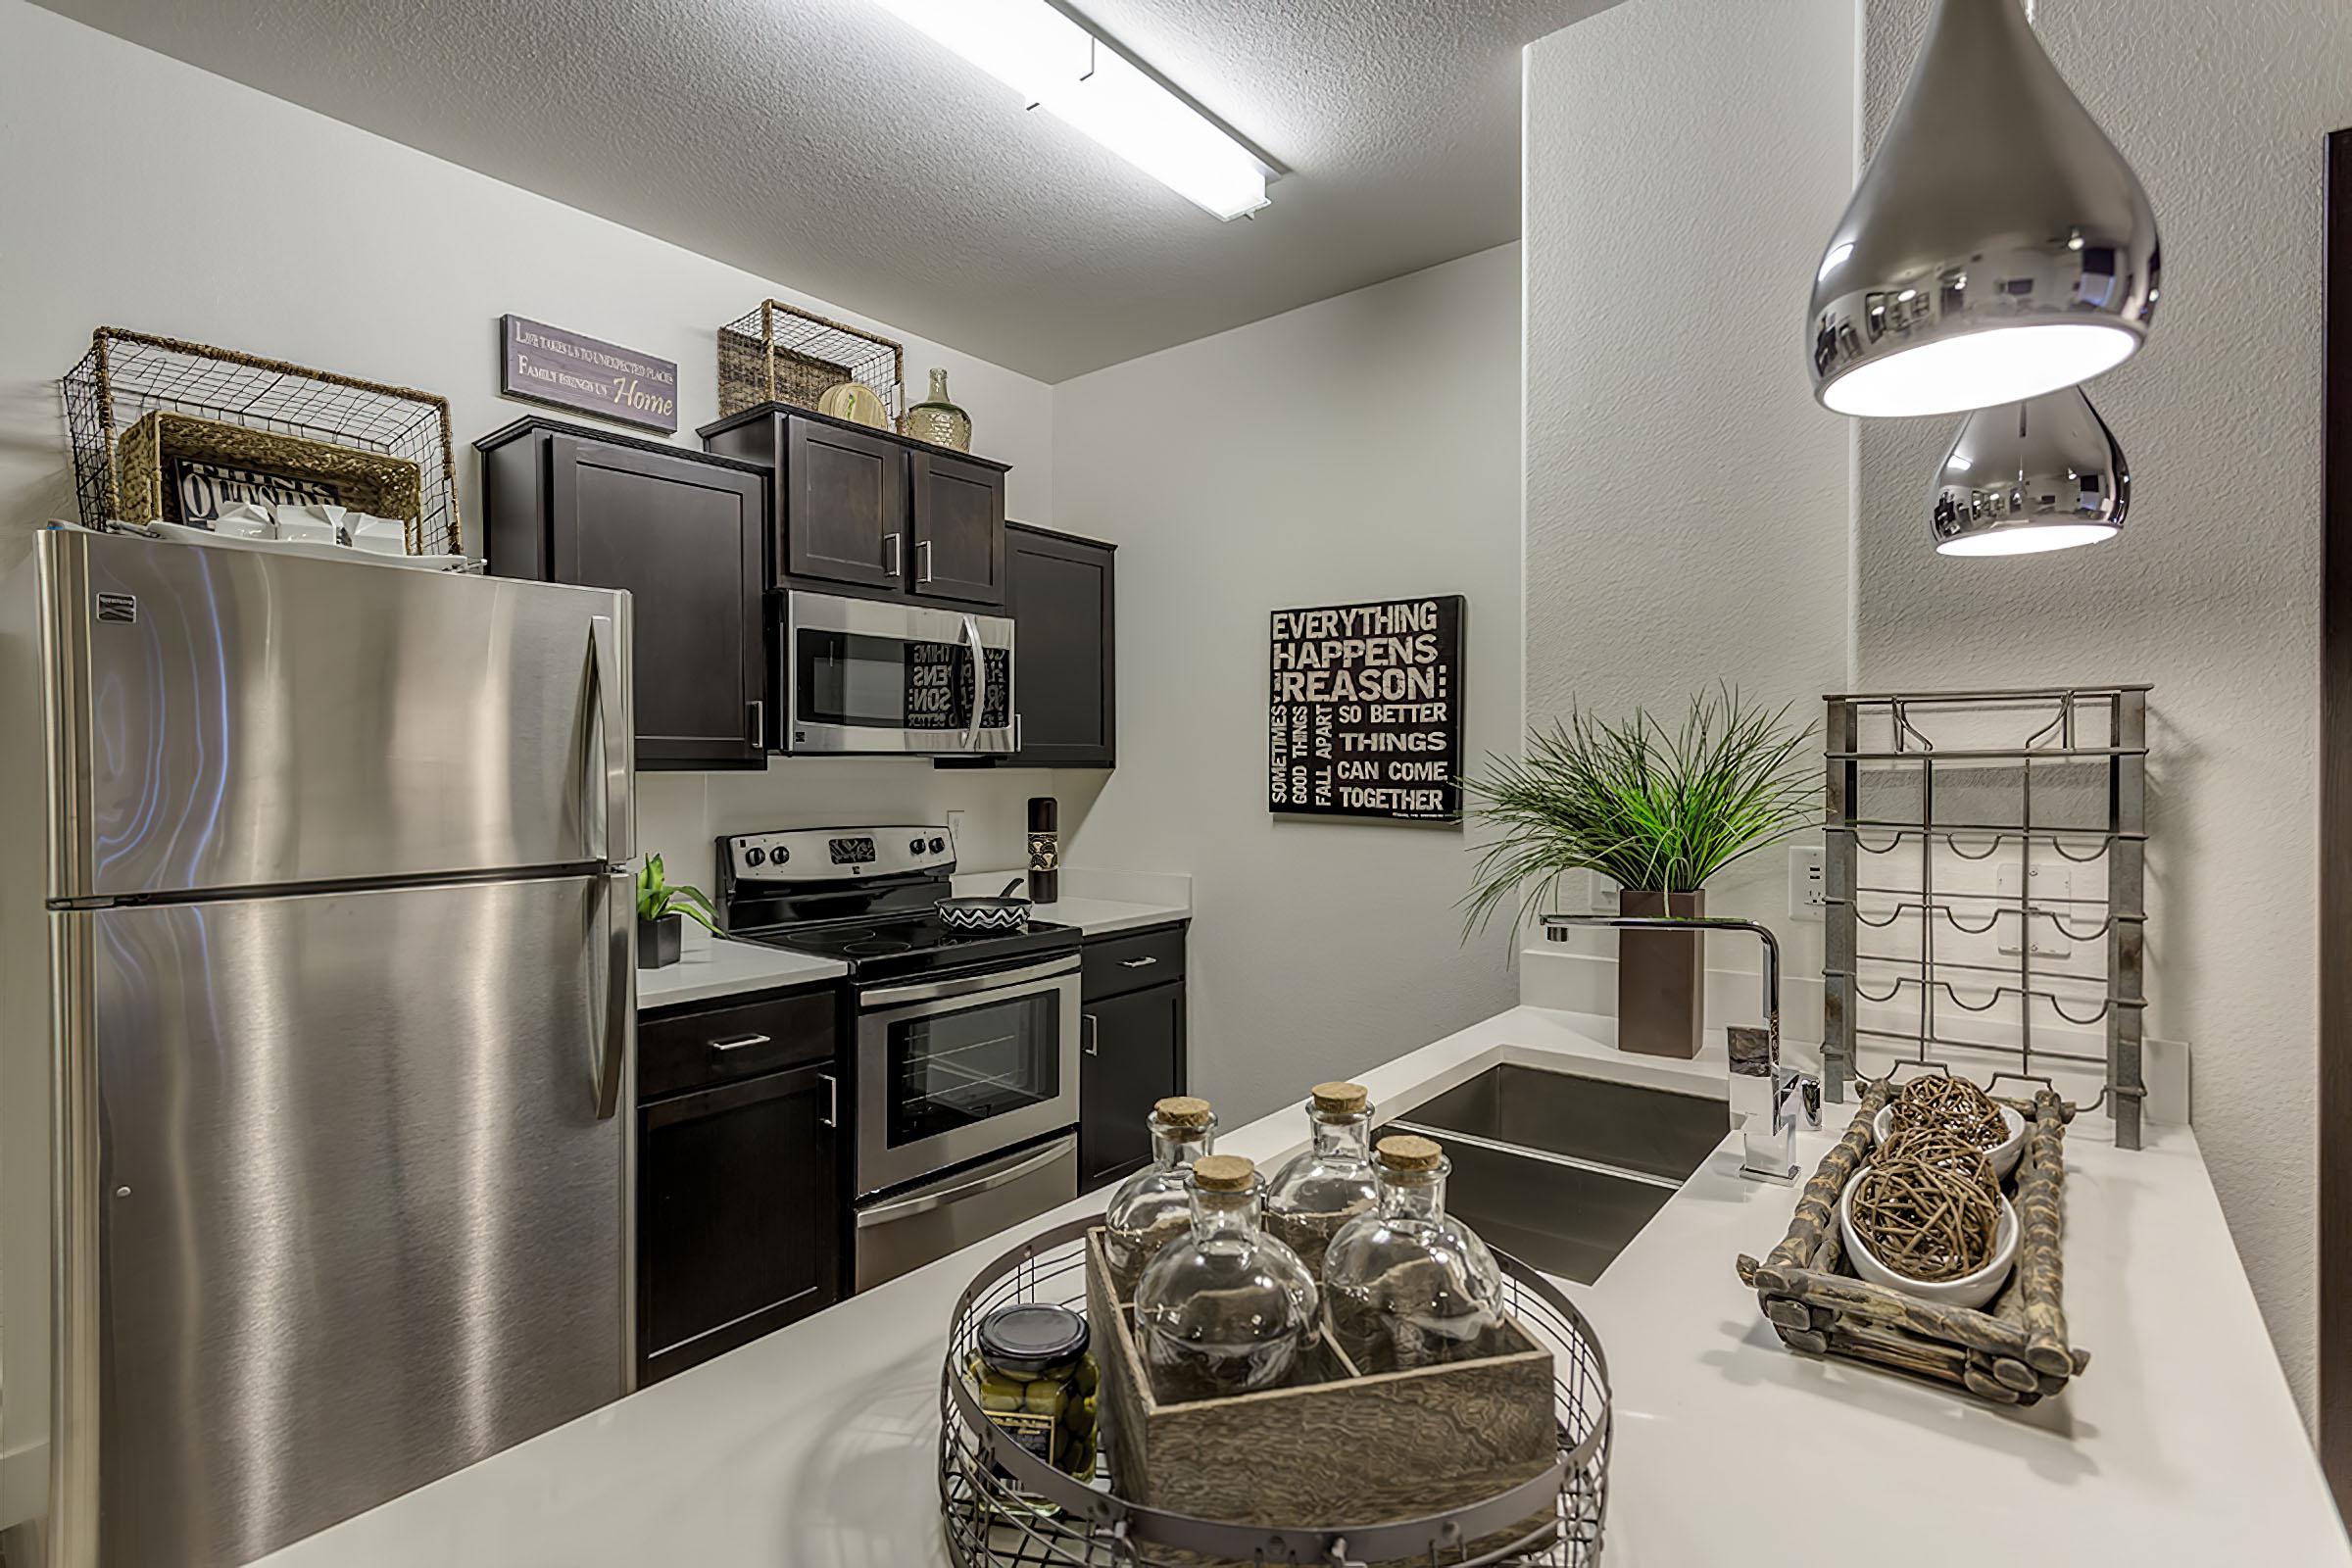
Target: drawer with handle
(1132,961)
(695,1047)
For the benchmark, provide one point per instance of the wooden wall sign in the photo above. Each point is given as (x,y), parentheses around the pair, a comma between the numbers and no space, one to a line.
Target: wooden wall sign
(1366,710)
(545,363)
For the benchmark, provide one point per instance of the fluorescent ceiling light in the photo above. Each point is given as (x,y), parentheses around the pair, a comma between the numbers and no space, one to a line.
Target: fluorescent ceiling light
(1057,64)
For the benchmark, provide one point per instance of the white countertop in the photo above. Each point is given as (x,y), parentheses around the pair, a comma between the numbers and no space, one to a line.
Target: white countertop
(814,1447)
(710,966)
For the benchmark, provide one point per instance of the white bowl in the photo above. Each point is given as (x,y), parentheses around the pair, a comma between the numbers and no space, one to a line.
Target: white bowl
(2002,1155)
(1969,1290)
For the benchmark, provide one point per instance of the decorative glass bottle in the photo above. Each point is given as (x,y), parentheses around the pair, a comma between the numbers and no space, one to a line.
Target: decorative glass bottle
(1404,1286)
(1226,1310)
(1152,1207)
(937,421)
(1331,1181)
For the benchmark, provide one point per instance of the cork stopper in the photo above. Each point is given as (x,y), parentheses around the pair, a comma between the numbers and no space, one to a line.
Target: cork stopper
(1406,1151)
(1181,1110)
(1341,1099)
(1225,1173)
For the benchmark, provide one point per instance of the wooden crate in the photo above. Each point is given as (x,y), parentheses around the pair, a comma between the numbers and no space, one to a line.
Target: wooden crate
(2011,1351)
(1353,1450)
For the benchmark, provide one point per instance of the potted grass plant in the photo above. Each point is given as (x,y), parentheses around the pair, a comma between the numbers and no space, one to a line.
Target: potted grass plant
(1659,812)
(661,909)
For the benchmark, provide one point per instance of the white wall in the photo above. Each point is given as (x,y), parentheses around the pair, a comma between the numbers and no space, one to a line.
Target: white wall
(2213,591)
(1688,505)
(195,206)
(1365,447)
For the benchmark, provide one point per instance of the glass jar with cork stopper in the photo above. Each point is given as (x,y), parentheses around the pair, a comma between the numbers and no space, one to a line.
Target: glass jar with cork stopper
(1405,1285)
(1225,1308)
(1154,1207)
(1331,1181)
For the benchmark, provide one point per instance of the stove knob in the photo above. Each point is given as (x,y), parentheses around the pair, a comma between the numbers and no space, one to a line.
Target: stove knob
(939,845)
(780,855)
(754,856)
(914,847)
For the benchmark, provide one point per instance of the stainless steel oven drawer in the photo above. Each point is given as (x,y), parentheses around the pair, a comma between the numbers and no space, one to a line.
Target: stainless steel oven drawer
(899,1234)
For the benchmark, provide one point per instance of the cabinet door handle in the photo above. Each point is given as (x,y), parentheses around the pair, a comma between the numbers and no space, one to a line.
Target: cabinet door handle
(739,1043)
(757,708)
(922,560)
(897,566)
(1089,1034)
(832,1116)
(1144,963)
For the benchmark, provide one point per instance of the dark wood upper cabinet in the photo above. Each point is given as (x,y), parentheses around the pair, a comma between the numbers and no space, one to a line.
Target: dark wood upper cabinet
(870,514)
(959,530)
(843,517)
(683,532)
(1062,594)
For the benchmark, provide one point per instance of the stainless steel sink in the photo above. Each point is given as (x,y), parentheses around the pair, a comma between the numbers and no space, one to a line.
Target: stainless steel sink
(1562,1172)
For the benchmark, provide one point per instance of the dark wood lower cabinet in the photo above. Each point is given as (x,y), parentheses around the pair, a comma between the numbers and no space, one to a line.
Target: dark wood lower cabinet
(738,1206)
(1131,1043)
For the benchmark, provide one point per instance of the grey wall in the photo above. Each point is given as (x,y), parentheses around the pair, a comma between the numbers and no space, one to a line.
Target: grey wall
(2212,593)
(1365,447)
(1688,505)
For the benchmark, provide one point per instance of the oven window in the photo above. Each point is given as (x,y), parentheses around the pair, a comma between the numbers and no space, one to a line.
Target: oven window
(883,682)
(957,1069)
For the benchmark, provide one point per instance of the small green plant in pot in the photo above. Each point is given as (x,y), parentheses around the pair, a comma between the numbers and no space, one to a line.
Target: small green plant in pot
(1658,811)
(660,907)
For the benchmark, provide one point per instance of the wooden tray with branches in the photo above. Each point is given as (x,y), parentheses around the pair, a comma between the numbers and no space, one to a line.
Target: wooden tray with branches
(2013,1350)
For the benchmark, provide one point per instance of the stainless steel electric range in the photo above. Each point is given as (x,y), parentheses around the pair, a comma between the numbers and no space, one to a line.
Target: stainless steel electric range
(964,1088)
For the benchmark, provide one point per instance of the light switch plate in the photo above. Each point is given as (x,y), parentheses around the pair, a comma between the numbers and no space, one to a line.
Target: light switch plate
(1600,894)
(1808,887)
(955,834)
(2037,883)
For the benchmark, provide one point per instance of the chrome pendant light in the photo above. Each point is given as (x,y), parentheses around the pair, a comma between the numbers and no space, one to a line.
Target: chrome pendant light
(2043,474)
(1998,246)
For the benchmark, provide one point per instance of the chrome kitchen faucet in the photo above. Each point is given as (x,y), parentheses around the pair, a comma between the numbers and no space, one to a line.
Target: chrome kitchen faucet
(1764,1092)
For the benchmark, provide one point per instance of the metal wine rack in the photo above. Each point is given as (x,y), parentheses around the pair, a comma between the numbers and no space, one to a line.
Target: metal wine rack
(1928,795)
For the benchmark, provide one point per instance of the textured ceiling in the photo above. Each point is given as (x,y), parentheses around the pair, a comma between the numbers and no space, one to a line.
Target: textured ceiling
(826,145)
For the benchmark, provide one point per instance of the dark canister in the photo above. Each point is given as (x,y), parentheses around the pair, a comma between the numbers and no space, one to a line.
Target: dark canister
(1045,849)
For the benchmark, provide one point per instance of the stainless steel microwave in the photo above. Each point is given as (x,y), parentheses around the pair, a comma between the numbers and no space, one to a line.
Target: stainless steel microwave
(865,675)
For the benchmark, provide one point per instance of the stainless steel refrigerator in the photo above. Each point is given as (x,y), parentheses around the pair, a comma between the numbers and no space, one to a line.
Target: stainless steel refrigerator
(318,1038)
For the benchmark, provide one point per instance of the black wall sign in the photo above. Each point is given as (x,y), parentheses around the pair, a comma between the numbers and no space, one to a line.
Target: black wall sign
(549,364)
(1366,710)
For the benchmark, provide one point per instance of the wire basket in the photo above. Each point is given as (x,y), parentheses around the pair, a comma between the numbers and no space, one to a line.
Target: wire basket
(1004,1507)
(782,354)
(127,378)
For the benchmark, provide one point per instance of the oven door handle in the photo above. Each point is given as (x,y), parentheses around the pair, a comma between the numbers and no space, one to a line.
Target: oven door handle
(964,985)
(973,1187)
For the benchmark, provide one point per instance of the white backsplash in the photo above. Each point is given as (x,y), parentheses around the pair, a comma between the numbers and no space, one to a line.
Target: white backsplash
(679,815)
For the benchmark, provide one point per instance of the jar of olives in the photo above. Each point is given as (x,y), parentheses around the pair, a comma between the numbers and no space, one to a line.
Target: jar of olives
(1036,1381)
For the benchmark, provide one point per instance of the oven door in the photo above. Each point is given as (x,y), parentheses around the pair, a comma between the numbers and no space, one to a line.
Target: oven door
(957,1069)
(862,675)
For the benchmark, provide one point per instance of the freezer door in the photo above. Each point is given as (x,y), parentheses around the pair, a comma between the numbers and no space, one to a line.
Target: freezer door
(232,718)
(358,1164)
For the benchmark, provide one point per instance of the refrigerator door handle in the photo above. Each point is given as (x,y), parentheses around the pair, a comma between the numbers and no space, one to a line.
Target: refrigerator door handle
(613,762)
(620,993)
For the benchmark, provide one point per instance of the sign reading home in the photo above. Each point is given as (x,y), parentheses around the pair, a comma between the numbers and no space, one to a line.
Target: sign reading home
(548,365)
(1366,711)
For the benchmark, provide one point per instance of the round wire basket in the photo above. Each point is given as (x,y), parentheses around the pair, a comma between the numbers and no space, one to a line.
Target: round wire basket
(1004,1507)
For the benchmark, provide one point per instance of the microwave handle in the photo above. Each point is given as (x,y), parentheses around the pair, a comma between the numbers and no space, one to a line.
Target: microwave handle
(971,634)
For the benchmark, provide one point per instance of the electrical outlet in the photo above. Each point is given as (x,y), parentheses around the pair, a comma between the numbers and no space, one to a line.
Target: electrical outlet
(2038,883)
(1808,885)
(1600,893)
(955,834)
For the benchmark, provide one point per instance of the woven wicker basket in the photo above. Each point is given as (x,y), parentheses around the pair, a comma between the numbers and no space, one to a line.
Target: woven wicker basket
(782,354)
(373,483)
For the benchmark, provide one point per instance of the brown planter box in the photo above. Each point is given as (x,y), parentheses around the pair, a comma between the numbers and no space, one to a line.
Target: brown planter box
(1349,1450)
(1661,977)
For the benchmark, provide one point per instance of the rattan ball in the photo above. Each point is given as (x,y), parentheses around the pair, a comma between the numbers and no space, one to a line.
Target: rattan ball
(1954,1105)
(1936,1146)
(1926,1221)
